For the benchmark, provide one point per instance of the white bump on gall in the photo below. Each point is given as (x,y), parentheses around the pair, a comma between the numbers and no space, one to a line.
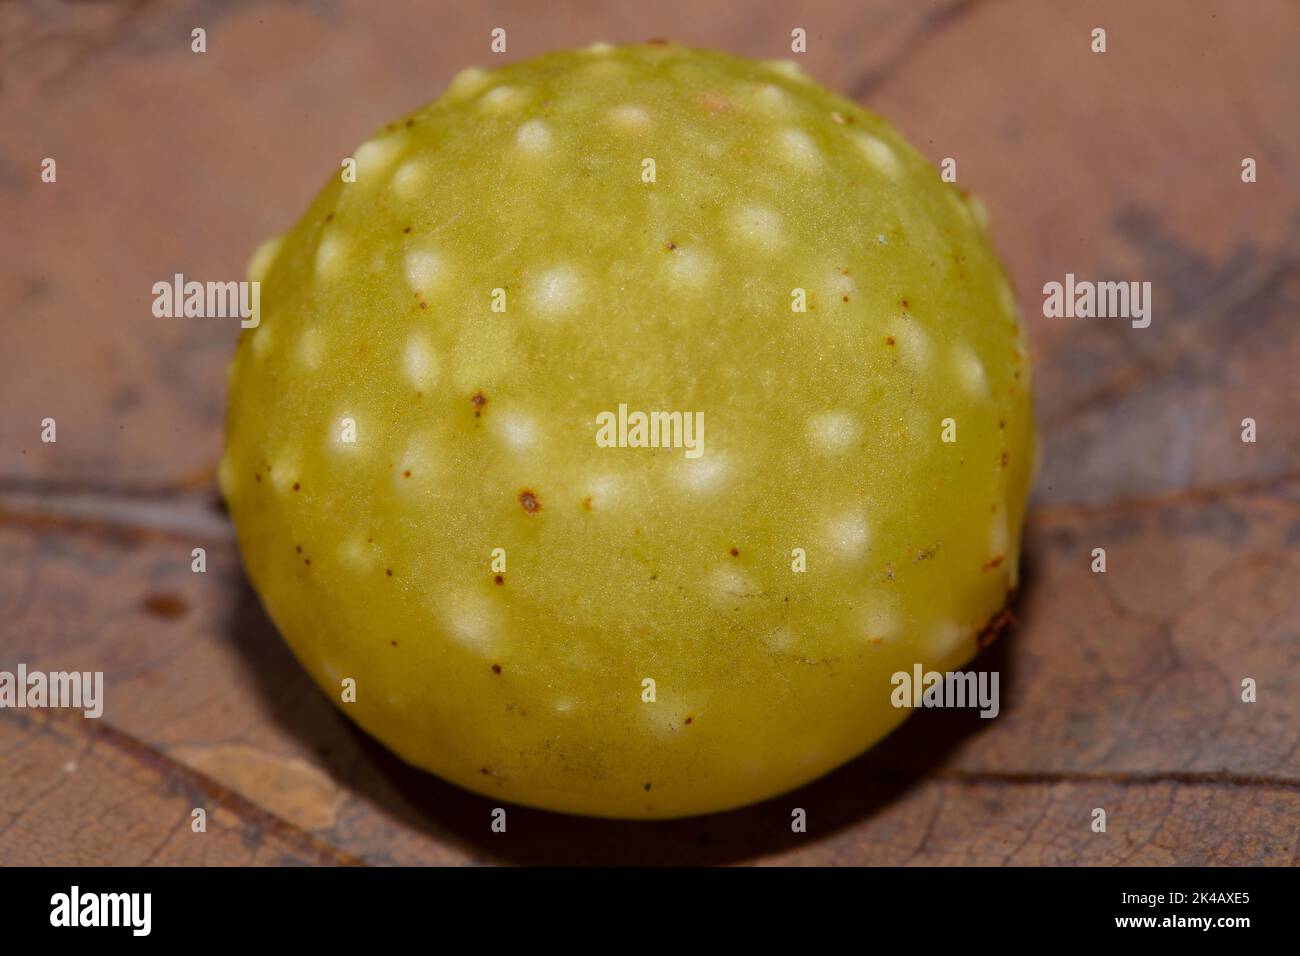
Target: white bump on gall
(847,536)
(757,227)
(354,553)
(1006,298)
(467,82)
(797,149)
(517,431)
(959,206)
(226,475)
(970,371)
(832,432)
(880,622)
(842,284)
(284,472)
(913,343)
(780,640)
(417,467)
(879,155)
(502,99)
(998,535)
(664,720)
(726,585)
(774,101)
(629,119)
(690,266)
(941,640)
(263,337)
(533,138)
(556,291)
(420,361)
(602,491)
(263,257)
(410,179)
(331,256)
(472,622)
(310,349)
(423,269)
(375,156)
(787,68)
(703,475)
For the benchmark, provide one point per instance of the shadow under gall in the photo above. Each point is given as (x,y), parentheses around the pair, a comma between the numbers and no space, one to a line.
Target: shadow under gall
(417,800)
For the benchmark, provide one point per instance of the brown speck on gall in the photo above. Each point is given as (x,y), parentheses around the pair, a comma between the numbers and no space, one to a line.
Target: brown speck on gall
(735,552)
(478,400)
(499,579)
(388,571)
(529,502)
(496,668)
(889,340)
(296,486)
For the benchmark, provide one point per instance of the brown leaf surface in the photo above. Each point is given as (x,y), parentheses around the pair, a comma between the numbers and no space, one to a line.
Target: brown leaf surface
(1119,690)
